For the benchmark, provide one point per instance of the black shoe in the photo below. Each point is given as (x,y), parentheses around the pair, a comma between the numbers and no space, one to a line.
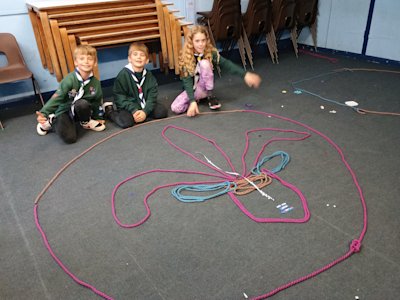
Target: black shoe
(108,110)
(213,103)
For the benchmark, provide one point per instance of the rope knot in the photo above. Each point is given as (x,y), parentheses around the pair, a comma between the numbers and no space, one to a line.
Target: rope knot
(355,246)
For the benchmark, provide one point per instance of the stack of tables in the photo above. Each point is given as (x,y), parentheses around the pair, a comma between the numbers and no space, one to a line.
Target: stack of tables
(59,26)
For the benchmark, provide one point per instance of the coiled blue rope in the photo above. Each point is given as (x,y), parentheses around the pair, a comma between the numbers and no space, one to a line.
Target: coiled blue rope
(285,158)
(223,188)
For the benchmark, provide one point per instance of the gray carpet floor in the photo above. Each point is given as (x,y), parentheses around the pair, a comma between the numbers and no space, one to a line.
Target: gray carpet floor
(211,249)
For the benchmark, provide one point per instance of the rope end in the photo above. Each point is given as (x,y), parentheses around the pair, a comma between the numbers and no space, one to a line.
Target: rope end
(360,111)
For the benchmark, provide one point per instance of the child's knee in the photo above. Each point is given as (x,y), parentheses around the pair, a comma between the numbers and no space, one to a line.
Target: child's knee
(201,92)
(82,104)
(179,108)
(69,139)
(68,136)
(180,104)
(82,110)
(122,118)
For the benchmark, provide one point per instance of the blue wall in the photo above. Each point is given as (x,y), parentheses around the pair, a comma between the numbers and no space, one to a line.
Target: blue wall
(342,26)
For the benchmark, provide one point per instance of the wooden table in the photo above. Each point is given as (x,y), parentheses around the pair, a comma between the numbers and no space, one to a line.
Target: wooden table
(59,27)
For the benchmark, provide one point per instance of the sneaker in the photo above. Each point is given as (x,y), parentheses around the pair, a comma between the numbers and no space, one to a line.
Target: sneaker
(213,103)
(43,129)
(93,125)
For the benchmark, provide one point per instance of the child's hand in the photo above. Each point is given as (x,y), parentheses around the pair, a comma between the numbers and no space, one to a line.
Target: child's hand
(193,109)
(252,79)
(40,117)
(139,116)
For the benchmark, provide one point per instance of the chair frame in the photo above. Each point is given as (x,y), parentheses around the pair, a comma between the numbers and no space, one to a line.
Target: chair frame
(211,19)
(306,16)
(9,46)
(284,18)
(260,12)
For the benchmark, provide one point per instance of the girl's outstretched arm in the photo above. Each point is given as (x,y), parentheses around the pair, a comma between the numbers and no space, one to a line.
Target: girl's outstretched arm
(252,79)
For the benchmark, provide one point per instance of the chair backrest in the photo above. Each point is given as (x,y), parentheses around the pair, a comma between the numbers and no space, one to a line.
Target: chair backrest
(283,14)
(306,12)
(225,7)
(9,46)
(258,17)
(16,68)
(226,21)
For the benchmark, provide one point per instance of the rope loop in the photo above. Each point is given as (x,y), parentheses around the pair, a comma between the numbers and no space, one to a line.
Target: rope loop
(219,188)
(355,246)
(244,187)
(285,158)
(360,111)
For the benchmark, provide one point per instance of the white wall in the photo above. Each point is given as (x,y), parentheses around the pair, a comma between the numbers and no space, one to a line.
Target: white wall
(347,24)
(384,37)
(341,26)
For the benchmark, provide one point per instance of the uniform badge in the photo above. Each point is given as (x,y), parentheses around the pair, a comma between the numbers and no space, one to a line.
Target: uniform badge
(92,90)
(72,93)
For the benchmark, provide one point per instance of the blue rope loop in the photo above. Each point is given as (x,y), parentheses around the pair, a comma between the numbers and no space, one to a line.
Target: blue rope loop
(221,188)
(285,158)
(226,186)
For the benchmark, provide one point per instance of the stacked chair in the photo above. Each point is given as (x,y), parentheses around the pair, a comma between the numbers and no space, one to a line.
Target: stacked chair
(16,68)
(294,15)
(225,25)
(306,16)
(284,18)
(257,21)
(263,18)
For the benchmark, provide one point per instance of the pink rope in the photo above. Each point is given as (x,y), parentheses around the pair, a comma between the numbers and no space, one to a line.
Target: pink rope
(225,176)
(355,245)
(146,198)
(228,160)
(303,136)
(305,218)
(343,159)
(331,59)
(60,263)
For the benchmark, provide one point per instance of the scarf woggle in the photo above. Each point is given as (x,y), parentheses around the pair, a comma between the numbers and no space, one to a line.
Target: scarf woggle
(138,84)
(81,91)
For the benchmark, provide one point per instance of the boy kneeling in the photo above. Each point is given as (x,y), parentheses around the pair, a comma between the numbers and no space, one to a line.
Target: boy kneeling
(79,98)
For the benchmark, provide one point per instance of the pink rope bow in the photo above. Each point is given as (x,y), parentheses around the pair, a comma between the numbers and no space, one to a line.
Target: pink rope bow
(355,245)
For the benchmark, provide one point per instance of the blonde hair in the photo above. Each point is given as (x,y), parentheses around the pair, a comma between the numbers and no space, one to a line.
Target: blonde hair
(138,47)
(85,50)
(187,61)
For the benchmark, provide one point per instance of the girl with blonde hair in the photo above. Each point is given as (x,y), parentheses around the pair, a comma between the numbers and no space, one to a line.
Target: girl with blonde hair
(197,62)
